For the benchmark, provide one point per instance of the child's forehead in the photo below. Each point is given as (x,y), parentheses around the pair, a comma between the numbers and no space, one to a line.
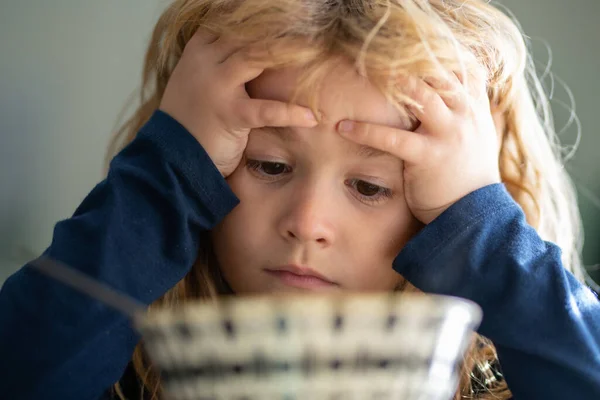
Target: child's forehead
(342,94)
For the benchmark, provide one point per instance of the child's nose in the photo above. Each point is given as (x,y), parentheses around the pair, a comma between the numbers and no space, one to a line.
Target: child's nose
(309,218)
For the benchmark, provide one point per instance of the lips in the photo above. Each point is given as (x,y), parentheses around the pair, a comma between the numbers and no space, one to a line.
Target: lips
(300,276)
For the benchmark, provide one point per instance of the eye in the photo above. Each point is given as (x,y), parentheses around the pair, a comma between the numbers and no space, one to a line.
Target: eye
(367,189)
(268,169)
(369,192)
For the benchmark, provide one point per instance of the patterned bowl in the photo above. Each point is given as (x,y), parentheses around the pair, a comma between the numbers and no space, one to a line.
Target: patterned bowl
(314,347)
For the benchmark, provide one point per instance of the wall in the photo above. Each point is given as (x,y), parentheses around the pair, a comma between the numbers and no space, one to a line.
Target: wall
(67,67)
(571,30)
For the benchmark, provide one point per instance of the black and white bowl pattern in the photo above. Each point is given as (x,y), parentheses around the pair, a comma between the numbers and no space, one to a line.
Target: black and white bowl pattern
(313,347)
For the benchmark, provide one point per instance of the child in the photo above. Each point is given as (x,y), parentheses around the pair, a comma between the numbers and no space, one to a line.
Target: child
(306,145)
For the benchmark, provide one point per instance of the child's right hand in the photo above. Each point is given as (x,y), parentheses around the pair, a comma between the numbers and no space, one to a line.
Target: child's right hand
(206,94)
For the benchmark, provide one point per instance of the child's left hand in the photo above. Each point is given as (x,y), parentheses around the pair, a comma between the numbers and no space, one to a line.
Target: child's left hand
(452,153)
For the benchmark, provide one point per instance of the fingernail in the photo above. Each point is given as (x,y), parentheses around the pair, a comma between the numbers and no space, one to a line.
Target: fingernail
(346,126)
(310,116)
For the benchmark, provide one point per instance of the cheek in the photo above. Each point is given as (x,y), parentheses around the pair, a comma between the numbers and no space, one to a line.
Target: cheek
(234,237)
(391,230)
(376,248)
(226,243)
(237,247)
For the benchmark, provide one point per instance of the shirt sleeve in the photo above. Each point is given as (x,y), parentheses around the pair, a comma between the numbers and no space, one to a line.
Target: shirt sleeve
(138,231)
(544,323)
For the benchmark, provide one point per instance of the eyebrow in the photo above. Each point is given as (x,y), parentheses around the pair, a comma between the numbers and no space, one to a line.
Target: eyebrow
(289,136)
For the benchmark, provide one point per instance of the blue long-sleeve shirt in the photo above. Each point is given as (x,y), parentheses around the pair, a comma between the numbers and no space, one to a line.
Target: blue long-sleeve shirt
(139,230)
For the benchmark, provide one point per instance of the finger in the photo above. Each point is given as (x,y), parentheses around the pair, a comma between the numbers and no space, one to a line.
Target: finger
(433,111)
(225,47)
(478,85)
(256,113)
(406,145)
(204,37)
(450,90)
(239,70)
(475,82)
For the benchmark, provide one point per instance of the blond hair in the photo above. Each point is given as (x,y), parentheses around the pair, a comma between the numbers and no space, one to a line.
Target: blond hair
(385,39)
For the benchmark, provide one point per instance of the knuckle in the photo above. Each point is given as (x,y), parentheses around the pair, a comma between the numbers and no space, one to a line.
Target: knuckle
(270,114)
(243,115)
(236,59)
(357,133)
(225,74)
(391,140)
(364,131)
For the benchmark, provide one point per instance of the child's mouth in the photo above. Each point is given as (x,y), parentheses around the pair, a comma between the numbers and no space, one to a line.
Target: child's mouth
(292,275)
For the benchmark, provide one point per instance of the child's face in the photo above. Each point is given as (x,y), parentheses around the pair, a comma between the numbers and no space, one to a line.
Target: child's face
(311,199)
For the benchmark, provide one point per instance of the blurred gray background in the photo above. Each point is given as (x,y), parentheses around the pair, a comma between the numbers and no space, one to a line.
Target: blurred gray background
(67,68)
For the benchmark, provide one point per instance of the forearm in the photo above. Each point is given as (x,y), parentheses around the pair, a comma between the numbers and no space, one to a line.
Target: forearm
(544,323)
(137,232)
